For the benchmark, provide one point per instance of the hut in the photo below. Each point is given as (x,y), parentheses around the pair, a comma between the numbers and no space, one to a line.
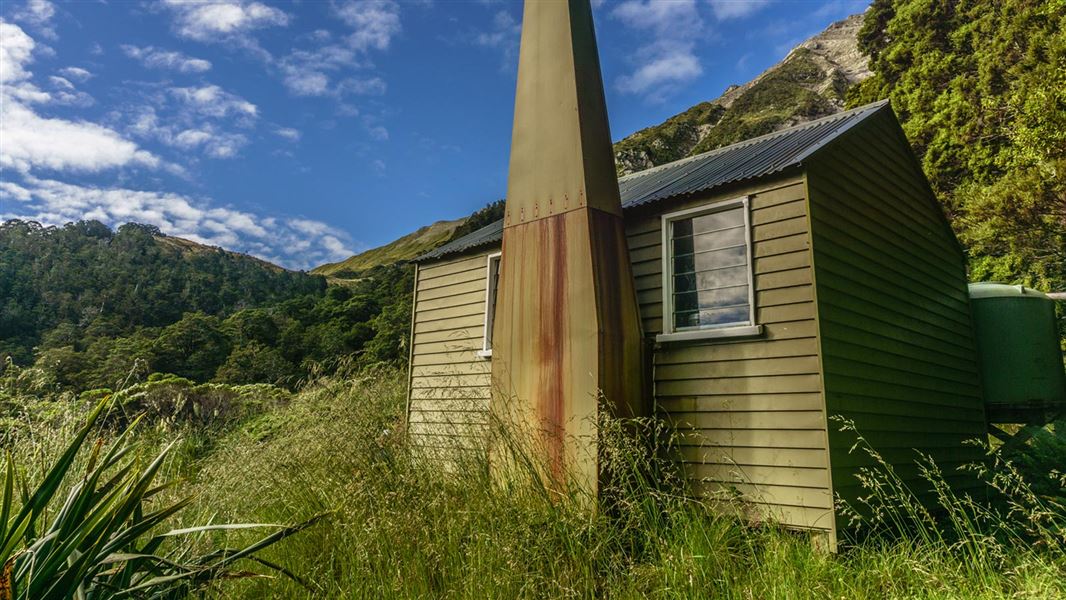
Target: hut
(784,283)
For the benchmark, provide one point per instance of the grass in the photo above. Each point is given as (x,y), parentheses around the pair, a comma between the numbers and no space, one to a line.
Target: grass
(396,526)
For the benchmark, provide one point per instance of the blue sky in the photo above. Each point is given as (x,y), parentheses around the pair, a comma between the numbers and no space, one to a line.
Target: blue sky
(303,132)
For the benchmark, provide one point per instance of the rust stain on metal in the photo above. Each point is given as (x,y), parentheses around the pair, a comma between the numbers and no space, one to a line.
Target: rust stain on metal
(566,324)
(551,342)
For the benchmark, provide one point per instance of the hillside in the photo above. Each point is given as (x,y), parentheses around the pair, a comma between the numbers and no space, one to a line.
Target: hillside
(809,83)
(405,248)
(85,276)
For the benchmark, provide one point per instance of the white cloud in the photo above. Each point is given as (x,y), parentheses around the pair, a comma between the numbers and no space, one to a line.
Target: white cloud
(312,72)
(370,86)
(662,69)
(668,61)
(736,9)
(38,14)
(378,132)
(213,101)
(676,18)
(61,82)
(505,30)
(16,51)
(186,131)
(374,23)
(9,189)
(155,58)
(76,73)
(293,135)
(31,141)
(296,243)
(303,81)
(503,35)
(211,21)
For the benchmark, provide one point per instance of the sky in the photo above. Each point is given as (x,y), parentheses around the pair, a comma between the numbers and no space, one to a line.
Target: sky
(304,132)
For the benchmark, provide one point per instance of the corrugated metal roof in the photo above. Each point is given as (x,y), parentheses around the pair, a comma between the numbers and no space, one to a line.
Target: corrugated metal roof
(758,157)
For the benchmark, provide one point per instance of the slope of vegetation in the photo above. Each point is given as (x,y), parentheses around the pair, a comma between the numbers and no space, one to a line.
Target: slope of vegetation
(96,309)
(85,276)
(980,88)
(405,248)
(671,140)
(780,99)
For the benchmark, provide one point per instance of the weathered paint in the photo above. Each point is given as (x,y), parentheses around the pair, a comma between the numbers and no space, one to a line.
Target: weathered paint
(566,326)
(898,349)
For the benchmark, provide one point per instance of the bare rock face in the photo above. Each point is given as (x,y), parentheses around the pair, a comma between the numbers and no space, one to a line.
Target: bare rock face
(807,84)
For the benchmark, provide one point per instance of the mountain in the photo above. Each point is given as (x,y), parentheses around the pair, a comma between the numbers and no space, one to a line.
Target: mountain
(405,248)
(809,83)
(85,276)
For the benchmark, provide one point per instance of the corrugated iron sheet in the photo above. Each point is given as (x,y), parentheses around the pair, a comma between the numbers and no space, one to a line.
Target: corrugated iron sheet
(750,159)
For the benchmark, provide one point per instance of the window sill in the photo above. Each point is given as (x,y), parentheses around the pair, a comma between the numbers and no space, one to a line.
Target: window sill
(710,334)
(485,354)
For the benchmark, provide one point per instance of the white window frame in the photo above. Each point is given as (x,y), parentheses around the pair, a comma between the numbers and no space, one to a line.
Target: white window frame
(669,334)
(490,305)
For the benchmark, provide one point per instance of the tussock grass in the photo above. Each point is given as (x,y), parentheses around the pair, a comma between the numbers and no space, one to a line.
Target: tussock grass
(400,527)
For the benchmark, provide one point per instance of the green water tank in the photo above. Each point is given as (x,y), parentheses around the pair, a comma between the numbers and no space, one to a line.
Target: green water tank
(1018,343)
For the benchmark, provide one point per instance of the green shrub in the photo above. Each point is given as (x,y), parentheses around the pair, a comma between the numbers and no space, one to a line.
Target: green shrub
(102,539)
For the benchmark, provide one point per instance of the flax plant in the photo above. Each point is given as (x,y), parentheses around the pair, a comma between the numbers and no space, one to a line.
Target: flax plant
(103,539)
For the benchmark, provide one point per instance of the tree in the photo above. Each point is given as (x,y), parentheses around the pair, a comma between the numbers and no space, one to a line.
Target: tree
(256,363)
(194,347)
(980,89)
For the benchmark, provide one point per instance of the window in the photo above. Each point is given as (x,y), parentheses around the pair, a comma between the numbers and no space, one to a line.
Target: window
(707,280)
(491,281)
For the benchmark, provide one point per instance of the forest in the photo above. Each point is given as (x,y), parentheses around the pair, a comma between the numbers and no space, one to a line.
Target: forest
(94,308)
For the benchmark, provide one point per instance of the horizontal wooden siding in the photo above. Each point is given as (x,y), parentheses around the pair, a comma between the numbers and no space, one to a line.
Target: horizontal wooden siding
(749,412)
(450,383)
(897,339)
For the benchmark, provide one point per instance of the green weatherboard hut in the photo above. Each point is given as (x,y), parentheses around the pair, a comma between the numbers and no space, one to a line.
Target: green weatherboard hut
(783,283)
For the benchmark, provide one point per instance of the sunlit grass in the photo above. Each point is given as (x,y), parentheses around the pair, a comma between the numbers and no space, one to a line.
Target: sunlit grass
(399,526)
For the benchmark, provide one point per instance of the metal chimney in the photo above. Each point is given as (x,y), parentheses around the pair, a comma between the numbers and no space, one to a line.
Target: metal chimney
(567,327)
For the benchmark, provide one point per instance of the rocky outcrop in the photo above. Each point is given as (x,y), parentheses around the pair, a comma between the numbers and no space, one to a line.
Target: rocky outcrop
(810,82)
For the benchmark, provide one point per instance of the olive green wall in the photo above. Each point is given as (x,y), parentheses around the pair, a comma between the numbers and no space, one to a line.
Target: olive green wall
(749,410)
(898,349)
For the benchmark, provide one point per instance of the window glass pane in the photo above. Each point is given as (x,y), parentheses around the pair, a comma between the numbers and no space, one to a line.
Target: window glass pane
(682,228)
(685,320)
(684,264)
(717,278)
(725,238)
(730,296)
(724,316)
(686,301)
(733,217)
(683,245)
(685,283)
(492,285)
(711,274)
